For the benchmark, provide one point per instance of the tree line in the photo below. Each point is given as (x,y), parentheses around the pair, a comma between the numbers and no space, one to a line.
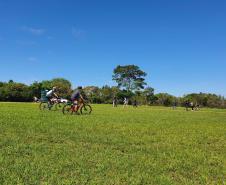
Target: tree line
(131,84)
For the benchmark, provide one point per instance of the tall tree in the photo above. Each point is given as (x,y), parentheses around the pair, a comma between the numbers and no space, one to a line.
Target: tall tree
(92,94)
(35,89)
(17,92)
(148,93)
(130,77)
(164,99)
(63,86)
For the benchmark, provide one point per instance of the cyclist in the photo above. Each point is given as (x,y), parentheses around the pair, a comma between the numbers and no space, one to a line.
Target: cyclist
(51,94)
(77,97)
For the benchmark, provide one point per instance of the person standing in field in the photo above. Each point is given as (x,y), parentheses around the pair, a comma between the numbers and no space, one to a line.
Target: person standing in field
(135,103)
(174,105)
(125,101)
(114,102)
(197,106)
(35,99)
(187,105)
(192,106)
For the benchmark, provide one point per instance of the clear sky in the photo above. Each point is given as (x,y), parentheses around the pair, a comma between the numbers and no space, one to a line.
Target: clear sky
(180,44)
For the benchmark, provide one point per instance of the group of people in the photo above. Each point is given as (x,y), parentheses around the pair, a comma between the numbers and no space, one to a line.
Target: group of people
(191,105)
(76,96)
(125,102)
(188,104)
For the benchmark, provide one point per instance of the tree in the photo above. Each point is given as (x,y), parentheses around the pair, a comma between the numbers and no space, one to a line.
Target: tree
(164,99)
(205,99)
(148,93)
(106,94)
(36,88)
(2,84)
(93,94)
(46,84)
(129,77)
(16,92)
(124,94)
(3,92)
(63,86)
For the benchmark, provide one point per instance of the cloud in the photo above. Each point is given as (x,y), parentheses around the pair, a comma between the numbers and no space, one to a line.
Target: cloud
(34,31)
(77,33)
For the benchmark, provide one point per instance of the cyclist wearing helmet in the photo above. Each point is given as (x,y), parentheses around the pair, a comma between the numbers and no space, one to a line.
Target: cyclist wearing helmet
(76,96)
(51,94)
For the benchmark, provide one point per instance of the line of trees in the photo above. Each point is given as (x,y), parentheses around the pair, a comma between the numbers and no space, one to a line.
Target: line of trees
(131,84)
(19,92)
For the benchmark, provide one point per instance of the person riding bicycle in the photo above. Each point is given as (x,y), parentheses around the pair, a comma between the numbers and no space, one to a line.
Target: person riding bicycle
(77,97)
(51,94)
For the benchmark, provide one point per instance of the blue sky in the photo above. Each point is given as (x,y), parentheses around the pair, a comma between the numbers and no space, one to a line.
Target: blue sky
(180,44)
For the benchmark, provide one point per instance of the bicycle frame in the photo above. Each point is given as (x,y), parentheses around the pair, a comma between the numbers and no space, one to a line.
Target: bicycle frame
(79,105)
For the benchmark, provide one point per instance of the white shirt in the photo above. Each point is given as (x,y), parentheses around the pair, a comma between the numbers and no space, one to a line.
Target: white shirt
(49,93)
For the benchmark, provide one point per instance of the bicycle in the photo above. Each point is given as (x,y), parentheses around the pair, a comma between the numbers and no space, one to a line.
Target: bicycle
(71,108)
(56,103)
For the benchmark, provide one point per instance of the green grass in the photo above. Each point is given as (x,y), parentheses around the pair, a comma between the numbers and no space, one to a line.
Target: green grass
(147,145)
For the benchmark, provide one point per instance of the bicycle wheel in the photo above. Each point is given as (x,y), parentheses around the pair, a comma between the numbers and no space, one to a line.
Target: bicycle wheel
(58,106)
(44,106)
(86,109)
(68,109)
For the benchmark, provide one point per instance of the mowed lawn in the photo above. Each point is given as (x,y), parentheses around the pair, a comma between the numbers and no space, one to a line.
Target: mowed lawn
(147,145)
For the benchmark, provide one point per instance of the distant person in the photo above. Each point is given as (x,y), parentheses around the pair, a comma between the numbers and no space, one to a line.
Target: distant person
(51,94)
(125,102)
(35,99)
(135,103)
(115,103)
(192,106)
(77,97)
(197,106)
(186,105)
(174,105)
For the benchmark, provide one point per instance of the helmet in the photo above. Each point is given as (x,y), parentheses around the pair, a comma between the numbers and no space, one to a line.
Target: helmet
(79,87)
(54,88)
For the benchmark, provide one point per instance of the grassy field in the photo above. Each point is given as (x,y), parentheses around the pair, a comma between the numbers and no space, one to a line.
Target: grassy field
(147,145)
